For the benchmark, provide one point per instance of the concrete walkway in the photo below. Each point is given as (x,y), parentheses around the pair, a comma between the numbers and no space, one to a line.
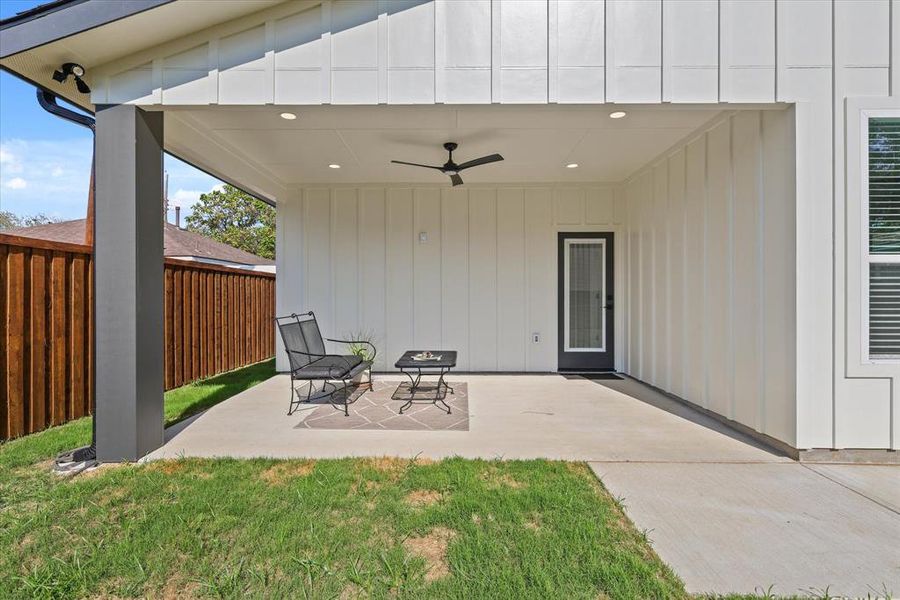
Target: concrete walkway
(727,514)
(744,527)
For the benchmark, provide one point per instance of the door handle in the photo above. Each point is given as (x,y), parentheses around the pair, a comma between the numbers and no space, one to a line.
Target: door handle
(608,307)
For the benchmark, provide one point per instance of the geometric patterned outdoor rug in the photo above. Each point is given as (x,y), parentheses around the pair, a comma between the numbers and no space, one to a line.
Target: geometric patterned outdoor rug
(377,410)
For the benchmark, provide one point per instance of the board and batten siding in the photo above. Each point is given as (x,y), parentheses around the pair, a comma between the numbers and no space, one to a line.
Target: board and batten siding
(813,54)
(482,282)
(711,266)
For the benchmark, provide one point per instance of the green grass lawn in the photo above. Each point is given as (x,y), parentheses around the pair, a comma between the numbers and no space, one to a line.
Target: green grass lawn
(312,529)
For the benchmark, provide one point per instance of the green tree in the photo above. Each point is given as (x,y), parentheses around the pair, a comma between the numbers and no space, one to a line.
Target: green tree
(10,220)
(237,219)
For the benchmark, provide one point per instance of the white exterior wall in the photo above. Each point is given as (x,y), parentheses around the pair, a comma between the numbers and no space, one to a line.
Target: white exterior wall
(811,53)
(711,271)
(482,283)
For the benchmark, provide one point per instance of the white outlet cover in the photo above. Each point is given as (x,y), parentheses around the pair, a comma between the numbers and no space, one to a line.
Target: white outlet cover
(423,237)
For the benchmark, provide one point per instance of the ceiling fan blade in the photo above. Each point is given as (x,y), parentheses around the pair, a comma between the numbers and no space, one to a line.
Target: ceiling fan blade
(456,179)
(400,162)
(480,161)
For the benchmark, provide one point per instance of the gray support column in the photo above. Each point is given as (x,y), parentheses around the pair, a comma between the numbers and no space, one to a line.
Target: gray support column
(128,276)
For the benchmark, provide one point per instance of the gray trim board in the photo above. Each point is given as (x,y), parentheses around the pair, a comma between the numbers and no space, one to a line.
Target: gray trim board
(128,282)
(60,20)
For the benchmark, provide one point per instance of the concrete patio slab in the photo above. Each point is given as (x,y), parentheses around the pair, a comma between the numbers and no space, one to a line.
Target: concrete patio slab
(510,416)
(744,527)
(880,483)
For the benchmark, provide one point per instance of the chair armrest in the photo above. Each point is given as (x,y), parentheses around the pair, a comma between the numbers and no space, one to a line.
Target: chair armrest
(368,343)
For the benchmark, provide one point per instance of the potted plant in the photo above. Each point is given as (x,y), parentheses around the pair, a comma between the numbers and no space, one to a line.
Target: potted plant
(361,348)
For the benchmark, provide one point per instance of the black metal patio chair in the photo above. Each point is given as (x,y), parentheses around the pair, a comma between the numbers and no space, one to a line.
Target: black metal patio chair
(309,362)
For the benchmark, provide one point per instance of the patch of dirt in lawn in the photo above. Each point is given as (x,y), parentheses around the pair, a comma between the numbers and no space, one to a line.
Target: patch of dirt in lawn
(281,473)
(495,479)
(167,467)
(111,496)
(177,589)
(420,498)
(350,591)
(99,470)
(478,519)
(24,542)
(433,549)
(584,472)
(366,488)
(394,466)
(534,522)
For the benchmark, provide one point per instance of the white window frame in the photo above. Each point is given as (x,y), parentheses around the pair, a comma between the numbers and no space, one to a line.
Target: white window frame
(858,112)
(869,258)
(568,242)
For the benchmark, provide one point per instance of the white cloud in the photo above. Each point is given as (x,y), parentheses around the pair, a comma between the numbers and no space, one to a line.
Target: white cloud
(16,183)
(52,177)
(8,161)
(184,198)
(28,170)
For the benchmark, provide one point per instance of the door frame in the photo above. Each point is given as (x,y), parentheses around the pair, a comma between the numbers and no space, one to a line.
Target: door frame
(584,362)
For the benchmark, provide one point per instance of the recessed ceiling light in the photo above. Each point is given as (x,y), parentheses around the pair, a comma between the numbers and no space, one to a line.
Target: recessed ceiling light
(288,116)
(572,166)
(617,114)
(334,166)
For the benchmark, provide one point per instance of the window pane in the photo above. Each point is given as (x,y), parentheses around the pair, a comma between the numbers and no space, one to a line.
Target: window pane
(884,310)
(586,295)
(884,186)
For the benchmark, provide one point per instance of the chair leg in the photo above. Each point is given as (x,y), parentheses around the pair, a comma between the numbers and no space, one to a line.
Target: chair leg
(292,407)
(346,398)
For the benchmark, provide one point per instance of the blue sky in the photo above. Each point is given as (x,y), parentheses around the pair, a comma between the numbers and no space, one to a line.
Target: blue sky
(45,162)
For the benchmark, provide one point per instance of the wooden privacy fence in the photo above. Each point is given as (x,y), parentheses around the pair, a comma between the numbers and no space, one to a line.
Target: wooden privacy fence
(216,319)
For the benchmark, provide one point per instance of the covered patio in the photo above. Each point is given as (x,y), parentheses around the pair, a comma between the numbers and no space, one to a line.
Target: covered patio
(617,230)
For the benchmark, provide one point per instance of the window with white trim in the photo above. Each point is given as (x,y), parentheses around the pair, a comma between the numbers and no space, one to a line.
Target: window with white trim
(882,190)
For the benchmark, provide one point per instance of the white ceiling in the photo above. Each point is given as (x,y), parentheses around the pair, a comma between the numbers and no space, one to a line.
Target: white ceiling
(537,142)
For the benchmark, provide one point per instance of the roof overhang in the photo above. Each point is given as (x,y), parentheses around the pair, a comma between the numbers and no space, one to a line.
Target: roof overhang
(57,20)
(35,43)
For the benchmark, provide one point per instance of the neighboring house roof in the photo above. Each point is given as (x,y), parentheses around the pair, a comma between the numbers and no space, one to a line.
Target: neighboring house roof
(177,242)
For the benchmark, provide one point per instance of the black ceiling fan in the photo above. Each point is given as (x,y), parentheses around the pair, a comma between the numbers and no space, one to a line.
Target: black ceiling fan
(453,169)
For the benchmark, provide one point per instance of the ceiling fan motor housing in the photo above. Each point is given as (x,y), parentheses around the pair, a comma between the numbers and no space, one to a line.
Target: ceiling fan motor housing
(450,147)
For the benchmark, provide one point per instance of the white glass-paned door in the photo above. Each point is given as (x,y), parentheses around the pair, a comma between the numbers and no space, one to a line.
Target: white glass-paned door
(585,293)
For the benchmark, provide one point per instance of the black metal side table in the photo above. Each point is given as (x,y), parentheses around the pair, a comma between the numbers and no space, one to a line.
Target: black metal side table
(410,366)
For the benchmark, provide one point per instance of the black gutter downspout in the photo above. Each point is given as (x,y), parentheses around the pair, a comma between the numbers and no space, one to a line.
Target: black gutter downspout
(84,454)
(48,103)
